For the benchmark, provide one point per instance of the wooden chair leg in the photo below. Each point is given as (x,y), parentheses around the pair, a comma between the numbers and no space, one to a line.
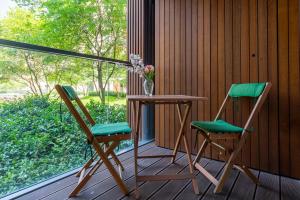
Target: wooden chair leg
(110,151)
(226,172)
(85,166)
(247,172)
(98,163)
(115,158)
(225,175)
(188,153)
(251,175)
(104,157)
(84,179)
(117,161)
(201,151)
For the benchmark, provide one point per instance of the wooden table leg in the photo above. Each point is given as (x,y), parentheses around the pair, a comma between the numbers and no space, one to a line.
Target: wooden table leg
(181,131)
(188,153)
(137,113)
(191,168)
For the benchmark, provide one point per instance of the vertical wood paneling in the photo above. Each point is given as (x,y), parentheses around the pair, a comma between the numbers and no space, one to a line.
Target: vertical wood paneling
(283,61)
(188,62)
(200,78)
(254,78)
(161,69)
(236,52)
(172,72)
(177,58)
(221,55)
(273,78)
(157,75)
(228,58)
(207,59)
(214,64)
(263,77)
(167,71)
(194,67)
(136,44)
(182,53)
(245,69)
(294,88)
(203,46)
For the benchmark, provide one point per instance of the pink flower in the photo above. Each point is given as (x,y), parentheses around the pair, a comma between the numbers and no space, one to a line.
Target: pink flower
(152,69)
(146,70)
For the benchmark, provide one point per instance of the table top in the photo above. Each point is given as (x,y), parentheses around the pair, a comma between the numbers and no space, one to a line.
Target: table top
(155,98)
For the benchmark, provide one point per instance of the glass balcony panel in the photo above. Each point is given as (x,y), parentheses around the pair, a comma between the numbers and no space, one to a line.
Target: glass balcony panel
(39,138)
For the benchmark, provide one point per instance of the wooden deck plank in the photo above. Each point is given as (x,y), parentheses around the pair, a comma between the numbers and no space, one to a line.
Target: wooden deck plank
(170,190)
(226,189)
(243,188)
(214,167)
(269,188)
(238,186)
(147,189)
(102,188)
(71,180)
(115,193)
(290,188)
(104,182)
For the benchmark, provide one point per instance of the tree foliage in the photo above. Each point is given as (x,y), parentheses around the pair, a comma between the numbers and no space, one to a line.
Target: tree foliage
(95,27)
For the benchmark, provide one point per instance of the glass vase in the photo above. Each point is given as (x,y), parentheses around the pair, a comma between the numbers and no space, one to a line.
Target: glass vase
(148,87)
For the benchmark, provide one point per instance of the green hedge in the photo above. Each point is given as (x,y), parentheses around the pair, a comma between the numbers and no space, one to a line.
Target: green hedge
(110,93)
(36,144)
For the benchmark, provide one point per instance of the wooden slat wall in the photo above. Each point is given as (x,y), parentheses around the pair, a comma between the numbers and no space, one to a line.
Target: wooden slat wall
(140,39)
(203,46)
(135,38)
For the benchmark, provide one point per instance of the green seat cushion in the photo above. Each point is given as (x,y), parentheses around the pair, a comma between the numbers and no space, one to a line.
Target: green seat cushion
(111,129)
(218,126)
(247,89)
(70,92)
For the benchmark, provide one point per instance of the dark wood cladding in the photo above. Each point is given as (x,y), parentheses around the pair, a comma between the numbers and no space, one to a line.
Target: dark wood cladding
(203,46)
(135,27)
(140,40)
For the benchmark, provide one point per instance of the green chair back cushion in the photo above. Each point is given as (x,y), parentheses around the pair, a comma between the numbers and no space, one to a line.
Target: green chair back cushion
(218,126)
(111,129)
(70,92)
(247,89)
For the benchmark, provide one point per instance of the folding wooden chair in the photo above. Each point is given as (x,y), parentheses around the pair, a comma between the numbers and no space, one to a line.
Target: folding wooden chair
(104,138)
(220,129)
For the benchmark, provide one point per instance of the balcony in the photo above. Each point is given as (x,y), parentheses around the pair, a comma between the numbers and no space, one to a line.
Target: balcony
(238,186)
(199,48)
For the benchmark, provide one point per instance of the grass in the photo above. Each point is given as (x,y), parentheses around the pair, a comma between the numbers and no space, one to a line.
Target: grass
(111,100)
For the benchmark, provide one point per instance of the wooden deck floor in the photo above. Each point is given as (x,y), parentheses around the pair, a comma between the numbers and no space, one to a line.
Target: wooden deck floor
(102,186)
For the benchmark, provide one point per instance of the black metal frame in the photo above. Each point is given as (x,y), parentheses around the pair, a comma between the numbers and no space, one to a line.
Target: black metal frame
(37,48)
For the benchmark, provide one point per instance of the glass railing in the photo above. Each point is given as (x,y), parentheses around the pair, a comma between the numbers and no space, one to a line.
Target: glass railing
(39,138)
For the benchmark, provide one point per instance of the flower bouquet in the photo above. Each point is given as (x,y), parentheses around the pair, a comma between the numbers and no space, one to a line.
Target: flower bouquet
(145,71)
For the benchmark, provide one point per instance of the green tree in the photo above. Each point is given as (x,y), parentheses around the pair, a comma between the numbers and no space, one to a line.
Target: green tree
(95,27)
(31,69)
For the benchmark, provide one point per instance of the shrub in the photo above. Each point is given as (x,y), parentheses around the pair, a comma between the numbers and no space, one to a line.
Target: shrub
(110,93)
(38,141)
